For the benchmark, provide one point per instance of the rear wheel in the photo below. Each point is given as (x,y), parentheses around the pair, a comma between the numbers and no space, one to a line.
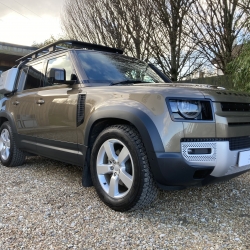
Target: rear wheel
(120,169)
(10,155)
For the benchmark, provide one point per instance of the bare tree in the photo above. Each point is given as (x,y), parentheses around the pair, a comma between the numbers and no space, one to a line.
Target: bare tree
(122,24)
(151,30)
(216,26)
(174,51)
(93,21)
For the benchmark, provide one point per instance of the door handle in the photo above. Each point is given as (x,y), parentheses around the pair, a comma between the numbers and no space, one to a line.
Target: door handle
(15,103)
(40,102)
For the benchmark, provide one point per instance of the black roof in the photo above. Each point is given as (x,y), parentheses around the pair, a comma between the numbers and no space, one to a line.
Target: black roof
(68,44)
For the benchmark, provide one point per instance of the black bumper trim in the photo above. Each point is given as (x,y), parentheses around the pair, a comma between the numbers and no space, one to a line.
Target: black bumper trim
(174,170)
(175,173)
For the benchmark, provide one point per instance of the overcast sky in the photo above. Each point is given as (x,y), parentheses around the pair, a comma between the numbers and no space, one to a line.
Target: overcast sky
(27,21)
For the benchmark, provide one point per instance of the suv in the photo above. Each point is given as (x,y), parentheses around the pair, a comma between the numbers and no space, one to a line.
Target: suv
(123,121)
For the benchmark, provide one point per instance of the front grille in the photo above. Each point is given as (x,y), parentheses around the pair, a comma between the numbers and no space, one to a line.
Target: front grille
(203,139)
(237,124)
(235,143)
(236,107)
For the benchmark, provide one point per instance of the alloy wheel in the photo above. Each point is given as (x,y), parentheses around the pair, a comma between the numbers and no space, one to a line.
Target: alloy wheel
(5,144)
(115,168)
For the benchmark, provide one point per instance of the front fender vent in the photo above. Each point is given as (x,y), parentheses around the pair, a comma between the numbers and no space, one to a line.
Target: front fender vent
(80,109)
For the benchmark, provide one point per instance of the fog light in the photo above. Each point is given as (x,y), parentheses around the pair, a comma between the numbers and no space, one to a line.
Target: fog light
(199,151)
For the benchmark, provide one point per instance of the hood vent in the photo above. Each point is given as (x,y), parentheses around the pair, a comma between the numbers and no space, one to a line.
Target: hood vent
(232,93)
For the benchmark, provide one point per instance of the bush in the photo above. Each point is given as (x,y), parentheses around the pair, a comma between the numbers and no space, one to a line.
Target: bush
(239,69)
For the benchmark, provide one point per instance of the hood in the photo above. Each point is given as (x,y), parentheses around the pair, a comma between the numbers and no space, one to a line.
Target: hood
(215,93)
(182,85)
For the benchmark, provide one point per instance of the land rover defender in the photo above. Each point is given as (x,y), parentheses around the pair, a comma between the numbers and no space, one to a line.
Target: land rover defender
(123,121)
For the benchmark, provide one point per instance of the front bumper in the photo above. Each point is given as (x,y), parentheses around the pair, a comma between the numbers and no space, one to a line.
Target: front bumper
(180,170)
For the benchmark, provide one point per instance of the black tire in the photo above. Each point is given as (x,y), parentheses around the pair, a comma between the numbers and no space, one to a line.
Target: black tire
(10,155)
(126,183)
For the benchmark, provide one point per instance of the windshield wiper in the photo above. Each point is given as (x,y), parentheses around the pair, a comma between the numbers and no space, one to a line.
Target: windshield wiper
(128,82)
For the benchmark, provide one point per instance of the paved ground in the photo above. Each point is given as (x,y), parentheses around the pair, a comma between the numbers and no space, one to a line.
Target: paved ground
(44,206)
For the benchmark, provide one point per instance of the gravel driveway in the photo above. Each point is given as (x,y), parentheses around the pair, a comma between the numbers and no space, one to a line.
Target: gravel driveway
(44,206)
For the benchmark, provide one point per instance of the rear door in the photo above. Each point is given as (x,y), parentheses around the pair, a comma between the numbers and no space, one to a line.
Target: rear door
(22,105)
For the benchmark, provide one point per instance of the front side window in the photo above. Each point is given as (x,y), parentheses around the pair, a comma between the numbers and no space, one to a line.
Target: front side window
(62,62)
(112,68)
(34,77)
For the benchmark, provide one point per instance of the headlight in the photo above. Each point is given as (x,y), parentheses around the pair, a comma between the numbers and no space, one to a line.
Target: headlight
(188,109)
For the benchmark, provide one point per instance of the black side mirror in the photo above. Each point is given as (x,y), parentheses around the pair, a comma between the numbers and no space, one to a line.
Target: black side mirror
(55,75)
(73,79)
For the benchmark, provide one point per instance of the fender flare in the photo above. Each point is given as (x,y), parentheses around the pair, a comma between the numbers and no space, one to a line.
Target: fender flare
(9,117)
(141,121)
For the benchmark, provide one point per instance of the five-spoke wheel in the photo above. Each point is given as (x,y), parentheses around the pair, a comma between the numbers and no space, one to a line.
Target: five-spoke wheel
(115,168)
(120,170)
(5,144)
(10,154)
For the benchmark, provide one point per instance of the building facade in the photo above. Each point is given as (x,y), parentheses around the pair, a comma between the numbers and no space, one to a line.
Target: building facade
(9,53)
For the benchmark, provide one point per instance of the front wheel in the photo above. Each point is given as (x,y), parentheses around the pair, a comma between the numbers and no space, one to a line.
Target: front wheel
(120,170)
(10,155)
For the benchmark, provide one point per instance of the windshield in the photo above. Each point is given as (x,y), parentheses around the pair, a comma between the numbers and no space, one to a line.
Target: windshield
(116,68)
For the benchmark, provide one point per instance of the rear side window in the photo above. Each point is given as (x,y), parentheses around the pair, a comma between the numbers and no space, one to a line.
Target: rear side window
(22,78)
(34,77)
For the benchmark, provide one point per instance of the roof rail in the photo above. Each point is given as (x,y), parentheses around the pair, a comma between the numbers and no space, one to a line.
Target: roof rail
(68,44)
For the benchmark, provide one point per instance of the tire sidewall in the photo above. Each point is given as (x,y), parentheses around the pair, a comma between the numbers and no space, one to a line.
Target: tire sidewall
(135,192)
(8,161)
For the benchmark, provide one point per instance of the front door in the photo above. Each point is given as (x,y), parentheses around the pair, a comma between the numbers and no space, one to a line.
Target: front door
(55,115)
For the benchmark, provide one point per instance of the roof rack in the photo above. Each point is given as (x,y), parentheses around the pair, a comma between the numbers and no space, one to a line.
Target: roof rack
(68,44)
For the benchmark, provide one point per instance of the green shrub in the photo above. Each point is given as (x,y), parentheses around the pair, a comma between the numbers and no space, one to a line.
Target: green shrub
(239,68)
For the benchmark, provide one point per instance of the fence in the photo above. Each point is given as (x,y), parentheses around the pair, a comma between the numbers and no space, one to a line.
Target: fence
(222,81)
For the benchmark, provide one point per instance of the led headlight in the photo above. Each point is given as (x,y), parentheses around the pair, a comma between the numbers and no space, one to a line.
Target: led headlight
(189,109)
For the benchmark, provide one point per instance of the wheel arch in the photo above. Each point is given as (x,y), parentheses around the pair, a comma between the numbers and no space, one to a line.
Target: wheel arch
(135,117)
(128,115)
(16,157)
(6,117)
